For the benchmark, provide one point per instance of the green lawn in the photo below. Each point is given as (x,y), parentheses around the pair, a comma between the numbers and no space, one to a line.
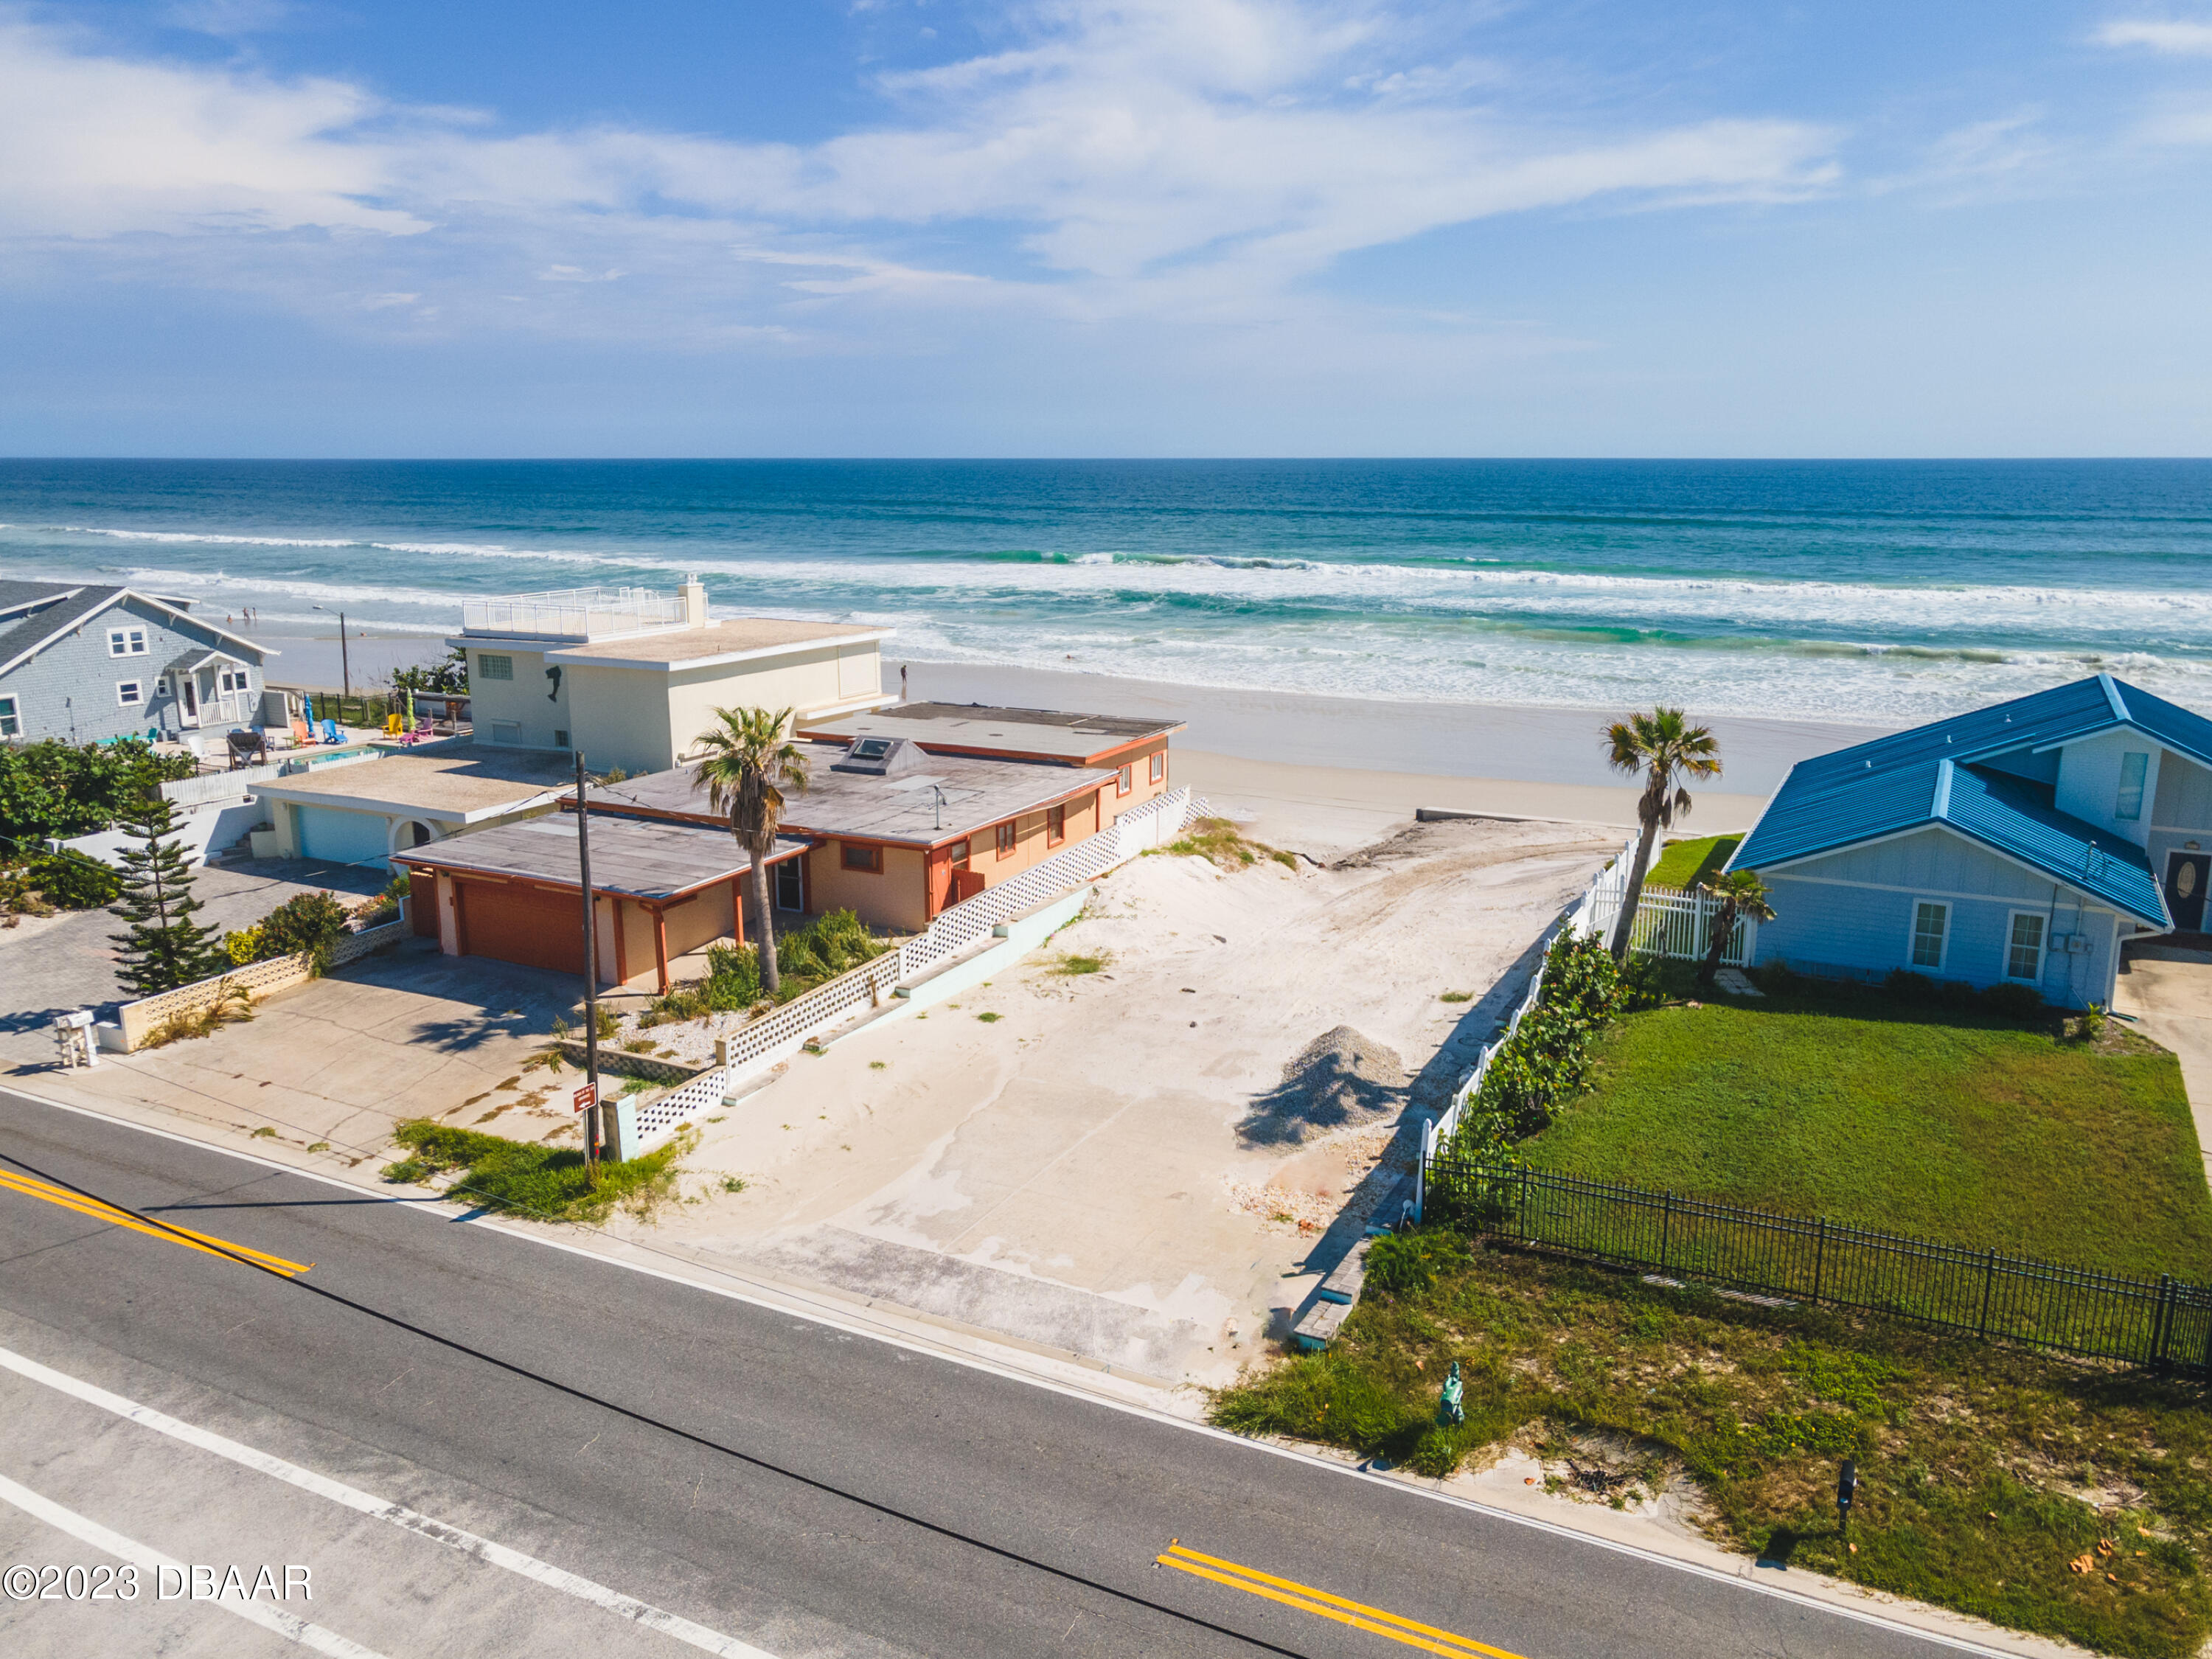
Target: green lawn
(1971,1456)
(1686,863)
(1950,1126)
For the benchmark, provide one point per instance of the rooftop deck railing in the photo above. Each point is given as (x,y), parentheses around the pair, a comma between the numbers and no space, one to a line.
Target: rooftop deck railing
(573,613)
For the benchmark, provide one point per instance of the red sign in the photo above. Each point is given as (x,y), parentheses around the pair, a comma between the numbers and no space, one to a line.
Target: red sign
(587,1096)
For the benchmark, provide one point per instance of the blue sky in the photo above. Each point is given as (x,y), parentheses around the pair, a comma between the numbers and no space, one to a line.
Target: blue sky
(1148,228)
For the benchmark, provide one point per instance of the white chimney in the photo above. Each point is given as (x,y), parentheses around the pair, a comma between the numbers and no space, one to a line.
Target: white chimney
(694,601)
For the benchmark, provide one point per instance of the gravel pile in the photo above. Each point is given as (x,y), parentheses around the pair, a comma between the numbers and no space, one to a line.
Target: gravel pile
(1339,1077)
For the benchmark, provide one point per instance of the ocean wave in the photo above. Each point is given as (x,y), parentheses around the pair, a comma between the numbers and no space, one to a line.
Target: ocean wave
(195,536)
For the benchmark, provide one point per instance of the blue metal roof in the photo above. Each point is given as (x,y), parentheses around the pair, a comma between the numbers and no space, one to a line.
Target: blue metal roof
(1926,775)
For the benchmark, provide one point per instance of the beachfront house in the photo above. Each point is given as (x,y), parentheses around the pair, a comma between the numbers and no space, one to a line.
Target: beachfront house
(632,676)
(628,676)
(2023,843)
(892,828)
(87,661)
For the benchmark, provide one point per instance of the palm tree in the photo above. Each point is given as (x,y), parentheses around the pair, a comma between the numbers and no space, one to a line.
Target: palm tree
(1665,749)
(1741,893)
(747,765)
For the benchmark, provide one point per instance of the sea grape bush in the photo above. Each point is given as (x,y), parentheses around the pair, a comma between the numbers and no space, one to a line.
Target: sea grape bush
(1548,1058)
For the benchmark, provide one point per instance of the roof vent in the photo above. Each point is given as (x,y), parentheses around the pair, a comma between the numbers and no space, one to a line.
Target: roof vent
(881,757)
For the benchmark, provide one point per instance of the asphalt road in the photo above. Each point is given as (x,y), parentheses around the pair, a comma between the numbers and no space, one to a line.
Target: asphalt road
(773,1481)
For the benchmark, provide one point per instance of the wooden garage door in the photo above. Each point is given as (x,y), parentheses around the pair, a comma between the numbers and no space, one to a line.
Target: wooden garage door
(522,924)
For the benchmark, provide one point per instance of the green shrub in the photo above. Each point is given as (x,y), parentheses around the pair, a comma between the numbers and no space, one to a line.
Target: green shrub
(308,922)
(1548,1058)
(1643,985)
(1406,1262)
(2092,1024)
(1908,986)
(72,881)
(2023,1003)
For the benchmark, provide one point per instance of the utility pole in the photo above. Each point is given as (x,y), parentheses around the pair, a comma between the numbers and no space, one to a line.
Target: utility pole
(345,668)
(592,1117)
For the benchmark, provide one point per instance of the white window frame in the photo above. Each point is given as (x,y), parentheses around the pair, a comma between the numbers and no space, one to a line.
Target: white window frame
(126,641)
(1159,767)
(1912,936)
(2141,786)
(2042,946)
(11,717)
(137,690)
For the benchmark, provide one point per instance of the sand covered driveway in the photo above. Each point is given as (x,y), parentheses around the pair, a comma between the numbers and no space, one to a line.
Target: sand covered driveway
(1134,1163)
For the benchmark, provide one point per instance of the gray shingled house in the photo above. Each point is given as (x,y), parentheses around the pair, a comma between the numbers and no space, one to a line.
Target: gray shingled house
(84,661)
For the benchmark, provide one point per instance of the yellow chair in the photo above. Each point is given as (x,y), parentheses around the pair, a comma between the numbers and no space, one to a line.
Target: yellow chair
(394,725)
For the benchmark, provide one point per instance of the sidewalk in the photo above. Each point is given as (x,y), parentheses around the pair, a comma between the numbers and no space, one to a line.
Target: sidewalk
(2168,990)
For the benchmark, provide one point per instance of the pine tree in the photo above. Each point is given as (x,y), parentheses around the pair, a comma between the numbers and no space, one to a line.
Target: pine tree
(165,947)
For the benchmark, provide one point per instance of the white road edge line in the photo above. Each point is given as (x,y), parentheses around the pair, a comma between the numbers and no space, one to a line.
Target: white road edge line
(352,1498)
(775,1299)
(289,1626)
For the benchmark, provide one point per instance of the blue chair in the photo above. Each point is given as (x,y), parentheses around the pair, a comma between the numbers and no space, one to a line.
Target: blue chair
(330,732)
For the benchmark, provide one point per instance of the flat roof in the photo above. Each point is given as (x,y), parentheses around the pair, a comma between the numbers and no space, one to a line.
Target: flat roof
(639,858)
(733,638)
(460,779)
(977,793)
(983,728)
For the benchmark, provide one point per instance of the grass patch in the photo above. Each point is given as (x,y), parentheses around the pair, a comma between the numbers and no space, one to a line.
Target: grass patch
(1219,843)
(990,1019)
(1456,996)
(1686,863)
(1072,966)
(547,1184)
(1974,1460)
(1953,1124)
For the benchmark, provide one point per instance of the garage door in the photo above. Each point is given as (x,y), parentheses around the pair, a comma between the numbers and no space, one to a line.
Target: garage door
(521,924)
(341,837)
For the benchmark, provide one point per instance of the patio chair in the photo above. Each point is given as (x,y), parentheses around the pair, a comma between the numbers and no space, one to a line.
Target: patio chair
(246,749)
(302,733)
(394,725)
(330,732)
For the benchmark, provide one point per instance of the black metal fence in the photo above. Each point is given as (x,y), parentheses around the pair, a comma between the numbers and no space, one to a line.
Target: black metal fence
(2164,1321)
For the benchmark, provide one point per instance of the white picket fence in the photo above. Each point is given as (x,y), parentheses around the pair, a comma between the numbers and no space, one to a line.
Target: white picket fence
(776,1035)
(1668,923)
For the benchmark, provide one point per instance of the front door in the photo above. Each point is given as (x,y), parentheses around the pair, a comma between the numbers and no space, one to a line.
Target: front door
(191,698)
(2185,875)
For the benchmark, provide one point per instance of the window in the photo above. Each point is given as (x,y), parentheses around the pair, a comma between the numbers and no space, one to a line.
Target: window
(1930,922)
(2134,768)
(1006,839)
(1160,767)
(126,641)
(128,694)
(489,667)
(1125,779)
(560,739)
(11,719)
(2024,948)
(956,855)
(855,856)
(1055,825)
(790,887)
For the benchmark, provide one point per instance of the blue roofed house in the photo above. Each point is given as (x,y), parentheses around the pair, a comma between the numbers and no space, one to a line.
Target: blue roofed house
(2024,843)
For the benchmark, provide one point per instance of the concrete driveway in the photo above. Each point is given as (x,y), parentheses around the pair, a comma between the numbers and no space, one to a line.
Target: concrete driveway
(334,1063)
(2166,989)
(52,965)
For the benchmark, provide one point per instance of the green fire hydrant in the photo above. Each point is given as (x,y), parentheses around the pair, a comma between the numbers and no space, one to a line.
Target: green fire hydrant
(1449,1412)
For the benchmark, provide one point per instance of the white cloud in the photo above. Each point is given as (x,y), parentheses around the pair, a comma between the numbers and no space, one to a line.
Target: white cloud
(2185,39)
(1176,156)
(226,19)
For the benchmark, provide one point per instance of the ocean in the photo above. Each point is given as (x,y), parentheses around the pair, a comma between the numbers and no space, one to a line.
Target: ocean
(1877,592)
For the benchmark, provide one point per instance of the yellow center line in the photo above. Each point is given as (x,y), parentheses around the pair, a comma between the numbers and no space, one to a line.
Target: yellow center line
(205,1243)
(1323,1605)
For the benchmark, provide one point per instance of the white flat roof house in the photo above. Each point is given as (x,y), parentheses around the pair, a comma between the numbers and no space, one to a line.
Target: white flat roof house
(631,677)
